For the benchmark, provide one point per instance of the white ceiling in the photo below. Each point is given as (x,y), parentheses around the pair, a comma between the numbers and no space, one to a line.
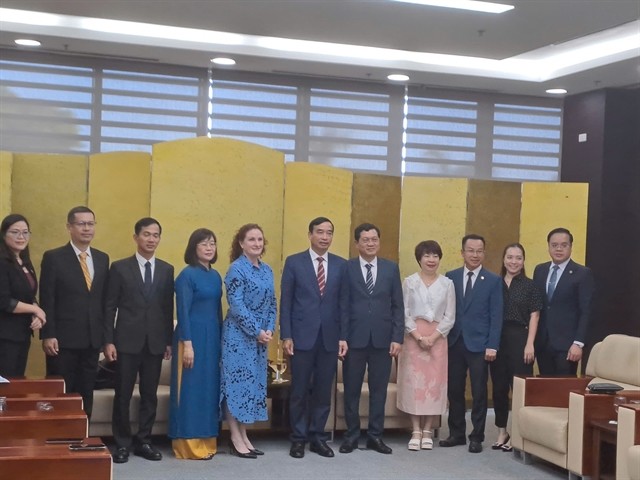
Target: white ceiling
(533,28)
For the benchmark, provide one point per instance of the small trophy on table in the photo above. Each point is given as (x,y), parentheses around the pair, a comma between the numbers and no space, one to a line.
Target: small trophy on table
(279,366)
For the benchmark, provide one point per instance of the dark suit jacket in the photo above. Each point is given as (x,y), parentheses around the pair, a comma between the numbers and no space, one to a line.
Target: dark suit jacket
(14,288)
(479,315)
(130,318)
(74,314)
(566,317)
(303,310)
(377,318)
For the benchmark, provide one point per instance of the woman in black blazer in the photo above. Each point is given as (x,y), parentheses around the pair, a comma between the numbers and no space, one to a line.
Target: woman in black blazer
(20,315)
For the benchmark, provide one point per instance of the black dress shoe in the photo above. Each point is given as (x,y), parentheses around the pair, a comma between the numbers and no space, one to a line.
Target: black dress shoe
(378,445)
(121,455)
(475,447)
(148,451)
(452,442)
(255,451)
(321,448)
(297,449)
(235,452)
(348,446)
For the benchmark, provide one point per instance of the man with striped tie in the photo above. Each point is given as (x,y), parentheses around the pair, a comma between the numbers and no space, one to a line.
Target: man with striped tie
(568,288)
(313,335)
(72,286)
(375,316)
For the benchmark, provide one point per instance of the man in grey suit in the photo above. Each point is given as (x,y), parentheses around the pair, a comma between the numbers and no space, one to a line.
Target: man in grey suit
(72,287)
(138,332)
(564,319)
(375,315)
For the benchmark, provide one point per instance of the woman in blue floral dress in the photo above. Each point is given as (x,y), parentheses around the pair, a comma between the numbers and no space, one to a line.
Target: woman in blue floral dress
(246,331)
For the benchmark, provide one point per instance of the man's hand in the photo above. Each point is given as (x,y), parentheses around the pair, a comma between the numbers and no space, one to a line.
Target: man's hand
(490,354)
(167,352)
(394,349)
(343,348)
(50,346)
(110,352)
(287,346)
(574,354)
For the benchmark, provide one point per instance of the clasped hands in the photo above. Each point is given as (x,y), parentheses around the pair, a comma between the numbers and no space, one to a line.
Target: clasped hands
(265,337)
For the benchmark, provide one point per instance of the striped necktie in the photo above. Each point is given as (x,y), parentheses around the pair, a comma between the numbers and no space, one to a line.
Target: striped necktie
(85,269)
(321,279)
(369,280)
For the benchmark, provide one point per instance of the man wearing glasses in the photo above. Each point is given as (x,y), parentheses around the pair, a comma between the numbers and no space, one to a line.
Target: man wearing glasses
(473,342)
(568,289)
(72,288)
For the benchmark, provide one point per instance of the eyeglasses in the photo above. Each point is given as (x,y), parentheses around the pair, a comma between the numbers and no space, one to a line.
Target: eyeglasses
(19,233)
(563,246)
(474,252)
(207,244)
(84,224)
(367,241)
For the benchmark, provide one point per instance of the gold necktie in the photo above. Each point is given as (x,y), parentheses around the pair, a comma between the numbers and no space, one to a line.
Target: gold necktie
(85,269)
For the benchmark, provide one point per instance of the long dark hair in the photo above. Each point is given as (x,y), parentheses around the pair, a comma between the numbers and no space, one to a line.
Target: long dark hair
(236,249)
(7,254)
(199,235)
(503,270)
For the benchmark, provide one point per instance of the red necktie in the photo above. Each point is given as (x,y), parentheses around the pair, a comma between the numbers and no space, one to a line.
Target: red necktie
(321,279)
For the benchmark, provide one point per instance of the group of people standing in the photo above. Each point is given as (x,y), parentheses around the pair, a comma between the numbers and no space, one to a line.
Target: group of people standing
(357,311)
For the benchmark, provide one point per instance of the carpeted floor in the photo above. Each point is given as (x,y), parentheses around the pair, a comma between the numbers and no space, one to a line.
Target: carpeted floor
(439,464)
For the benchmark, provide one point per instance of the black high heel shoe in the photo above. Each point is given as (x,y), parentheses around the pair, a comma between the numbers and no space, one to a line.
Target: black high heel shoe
(234,451)
(255,451)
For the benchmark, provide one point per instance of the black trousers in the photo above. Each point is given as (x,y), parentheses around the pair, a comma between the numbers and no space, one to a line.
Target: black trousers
(378,362)
(509,362)
(128,366)
(13,357)
(78,367)
(462,360)
(553,362)
(312,374)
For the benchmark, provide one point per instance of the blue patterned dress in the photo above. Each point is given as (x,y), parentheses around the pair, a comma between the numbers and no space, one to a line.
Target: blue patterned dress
(252,307)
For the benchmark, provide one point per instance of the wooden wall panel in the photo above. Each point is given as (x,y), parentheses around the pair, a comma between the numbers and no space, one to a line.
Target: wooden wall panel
(493,211)
(376,199)
(119,188)
(432,209)
(6,165)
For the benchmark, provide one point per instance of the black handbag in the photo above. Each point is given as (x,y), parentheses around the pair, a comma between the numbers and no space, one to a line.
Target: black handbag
(604,388)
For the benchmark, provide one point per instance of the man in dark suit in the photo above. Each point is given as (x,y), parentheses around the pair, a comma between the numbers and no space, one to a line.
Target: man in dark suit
(375,319)
(138,332)
(564,319)
(313,334)
(473,342)
(72,287)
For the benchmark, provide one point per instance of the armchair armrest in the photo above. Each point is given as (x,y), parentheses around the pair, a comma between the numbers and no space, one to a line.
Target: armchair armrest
(628,435)
(552,391)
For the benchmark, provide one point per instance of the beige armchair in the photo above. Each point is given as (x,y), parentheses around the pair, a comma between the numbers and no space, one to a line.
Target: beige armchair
(628,443)
(551,416)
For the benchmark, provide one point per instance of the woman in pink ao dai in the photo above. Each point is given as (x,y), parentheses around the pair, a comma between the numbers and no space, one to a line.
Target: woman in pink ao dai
(429,314)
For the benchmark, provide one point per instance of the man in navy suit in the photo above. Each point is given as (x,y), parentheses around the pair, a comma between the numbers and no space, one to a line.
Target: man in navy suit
(138,329)
(564,319)
(314,335)
(473,342)
(375,315)
(72,289)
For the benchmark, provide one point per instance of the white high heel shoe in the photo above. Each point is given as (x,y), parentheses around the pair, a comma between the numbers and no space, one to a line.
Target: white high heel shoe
(426,443)
(414,443)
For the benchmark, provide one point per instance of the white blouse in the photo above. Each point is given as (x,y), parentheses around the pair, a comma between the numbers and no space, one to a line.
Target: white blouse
(436,303)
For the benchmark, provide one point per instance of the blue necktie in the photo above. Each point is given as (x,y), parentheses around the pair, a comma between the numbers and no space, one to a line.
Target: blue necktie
(369,280)
(552,281)
(469,287)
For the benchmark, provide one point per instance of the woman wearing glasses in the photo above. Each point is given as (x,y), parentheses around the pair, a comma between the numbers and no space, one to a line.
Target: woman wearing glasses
(195,373)
(20,315)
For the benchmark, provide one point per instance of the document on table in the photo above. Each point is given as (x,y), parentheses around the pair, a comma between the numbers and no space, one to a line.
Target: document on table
(3,380)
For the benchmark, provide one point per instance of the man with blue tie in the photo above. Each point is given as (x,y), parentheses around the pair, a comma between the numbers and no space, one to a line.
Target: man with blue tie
(375,316)
(313,335)
(473,342)
(564,319)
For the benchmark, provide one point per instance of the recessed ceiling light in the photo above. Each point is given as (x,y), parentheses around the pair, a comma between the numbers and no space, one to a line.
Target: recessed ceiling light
(398,77)
(26,42)
(223,61)
(556,91)
(475,5)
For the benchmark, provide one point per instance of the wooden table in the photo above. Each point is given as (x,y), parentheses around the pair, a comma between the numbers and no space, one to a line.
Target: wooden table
(24,424)
(59,401)
(603,449)
(42,386)
(35,460)
(279,395)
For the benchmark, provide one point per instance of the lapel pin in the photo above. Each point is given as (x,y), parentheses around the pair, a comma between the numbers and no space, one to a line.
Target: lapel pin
(481,278)
(570,272)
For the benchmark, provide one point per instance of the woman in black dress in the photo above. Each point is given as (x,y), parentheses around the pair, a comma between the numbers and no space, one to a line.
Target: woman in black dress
(20,315)
(522,304)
